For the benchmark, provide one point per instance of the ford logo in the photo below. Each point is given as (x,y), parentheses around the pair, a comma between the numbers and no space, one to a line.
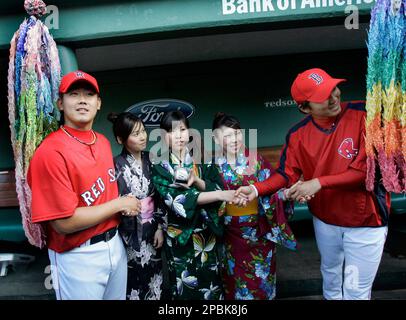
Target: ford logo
(152,111)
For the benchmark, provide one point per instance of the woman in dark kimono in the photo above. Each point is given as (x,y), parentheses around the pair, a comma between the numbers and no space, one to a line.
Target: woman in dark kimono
(143,234)
(251,232)
(195,225)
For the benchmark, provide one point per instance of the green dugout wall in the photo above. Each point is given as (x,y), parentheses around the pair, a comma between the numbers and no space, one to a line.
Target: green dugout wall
(110,21)
(256,90)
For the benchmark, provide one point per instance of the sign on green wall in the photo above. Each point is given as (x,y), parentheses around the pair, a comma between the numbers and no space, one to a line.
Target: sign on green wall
(90,20)
(283,8)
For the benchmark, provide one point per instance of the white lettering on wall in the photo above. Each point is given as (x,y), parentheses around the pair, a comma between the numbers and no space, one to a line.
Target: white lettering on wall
(258,6)
(283,4)
(280,103)
(267,6)
(228,7)
(307,3)
(242,6)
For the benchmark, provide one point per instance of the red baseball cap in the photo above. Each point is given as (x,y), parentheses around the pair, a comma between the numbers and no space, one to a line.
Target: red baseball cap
(313,85)
(76,76)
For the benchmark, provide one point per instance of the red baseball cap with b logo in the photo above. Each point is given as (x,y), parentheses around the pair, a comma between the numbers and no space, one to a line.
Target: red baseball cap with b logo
(313,85)
(75,76)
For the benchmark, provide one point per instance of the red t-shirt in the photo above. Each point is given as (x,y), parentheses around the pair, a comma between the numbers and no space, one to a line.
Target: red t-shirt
(65,174)
(337,158)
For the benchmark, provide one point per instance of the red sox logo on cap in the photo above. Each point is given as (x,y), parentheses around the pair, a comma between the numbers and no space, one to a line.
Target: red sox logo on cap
(346,149)
(70,78)
(316,77)
(313,85)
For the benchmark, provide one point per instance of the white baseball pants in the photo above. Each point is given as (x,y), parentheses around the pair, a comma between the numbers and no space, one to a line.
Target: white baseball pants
(91,272)
(350,259)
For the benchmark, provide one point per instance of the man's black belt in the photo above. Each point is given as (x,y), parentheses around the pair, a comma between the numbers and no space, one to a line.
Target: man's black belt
(105,236)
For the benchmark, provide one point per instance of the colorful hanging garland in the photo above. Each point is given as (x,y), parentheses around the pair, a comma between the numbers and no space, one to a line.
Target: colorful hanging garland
(386,96)
(33,80)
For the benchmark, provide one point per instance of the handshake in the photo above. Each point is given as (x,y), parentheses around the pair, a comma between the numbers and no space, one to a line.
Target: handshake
(129,205)
(301,191)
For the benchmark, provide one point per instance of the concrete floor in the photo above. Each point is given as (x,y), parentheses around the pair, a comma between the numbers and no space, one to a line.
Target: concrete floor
(298,274)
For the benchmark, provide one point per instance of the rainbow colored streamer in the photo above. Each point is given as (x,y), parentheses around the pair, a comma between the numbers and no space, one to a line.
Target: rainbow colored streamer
(33,80)
(386,96)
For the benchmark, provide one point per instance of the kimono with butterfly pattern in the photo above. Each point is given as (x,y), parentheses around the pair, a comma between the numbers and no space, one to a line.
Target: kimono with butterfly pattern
(193,231)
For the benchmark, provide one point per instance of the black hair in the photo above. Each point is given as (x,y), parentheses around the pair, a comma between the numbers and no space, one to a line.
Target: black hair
(222,119)
(61,120)
(172,116)
(123,124)
(303,105)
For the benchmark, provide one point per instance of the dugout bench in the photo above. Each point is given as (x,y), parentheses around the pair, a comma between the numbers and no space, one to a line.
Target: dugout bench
(11,229)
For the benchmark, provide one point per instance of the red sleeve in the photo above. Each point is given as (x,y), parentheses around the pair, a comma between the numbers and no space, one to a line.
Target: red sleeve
(349,178)
(53,196)
(270,185)
(288,172)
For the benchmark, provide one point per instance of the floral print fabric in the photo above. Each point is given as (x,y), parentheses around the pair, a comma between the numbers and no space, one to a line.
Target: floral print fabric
(249,257)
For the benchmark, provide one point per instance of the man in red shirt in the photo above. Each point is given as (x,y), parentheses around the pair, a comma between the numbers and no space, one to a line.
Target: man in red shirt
(75,197)
(327,151)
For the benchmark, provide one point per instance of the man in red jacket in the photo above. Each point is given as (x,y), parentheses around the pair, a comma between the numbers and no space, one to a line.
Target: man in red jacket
(327,151)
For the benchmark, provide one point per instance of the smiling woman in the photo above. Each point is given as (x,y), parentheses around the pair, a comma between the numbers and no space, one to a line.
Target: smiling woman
(142,235)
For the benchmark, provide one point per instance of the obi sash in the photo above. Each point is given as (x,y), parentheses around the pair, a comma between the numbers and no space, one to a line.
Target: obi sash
(147,210)
(250,209)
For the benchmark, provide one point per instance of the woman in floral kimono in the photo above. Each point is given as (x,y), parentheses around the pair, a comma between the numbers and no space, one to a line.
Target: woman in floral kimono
(142,235)
(250,232)
(193,194)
